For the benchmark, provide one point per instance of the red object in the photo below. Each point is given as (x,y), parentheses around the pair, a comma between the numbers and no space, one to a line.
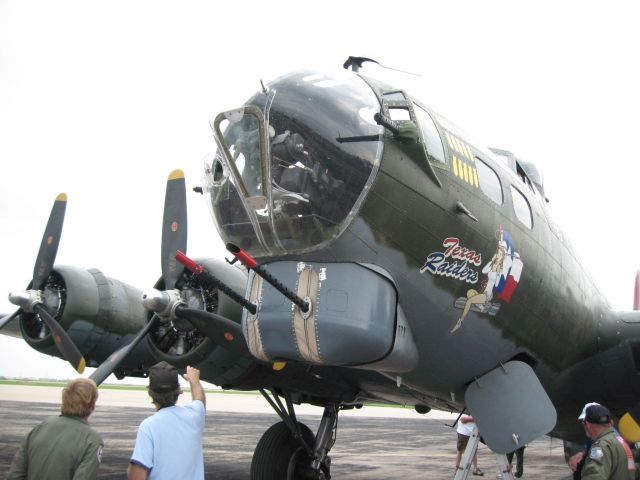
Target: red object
(246,259)
(228,336)
(188,263)
(507,291)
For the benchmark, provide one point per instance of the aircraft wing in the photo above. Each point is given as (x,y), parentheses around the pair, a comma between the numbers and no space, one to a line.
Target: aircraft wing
(12,329)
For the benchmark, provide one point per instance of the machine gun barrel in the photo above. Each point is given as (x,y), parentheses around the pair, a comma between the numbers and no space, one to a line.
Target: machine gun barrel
(249,262)
(210,279)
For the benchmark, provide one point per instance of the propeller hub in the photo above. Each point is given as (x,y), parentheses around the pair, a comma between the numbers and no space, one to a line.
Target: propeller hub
(162,303)
(26,300)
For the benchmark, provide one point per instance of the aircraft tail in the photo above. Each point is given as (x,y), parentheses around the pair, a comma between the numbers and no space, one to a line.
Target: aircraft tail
(636,292)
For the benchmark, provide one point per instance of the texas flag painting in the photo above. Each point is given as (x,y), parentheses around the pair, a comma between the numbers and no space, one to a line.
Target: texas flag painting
(511,271)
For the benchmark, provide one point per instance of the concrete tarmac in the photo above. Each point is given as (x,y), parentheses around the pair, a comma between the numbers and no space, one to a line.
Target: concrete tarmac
(372,443)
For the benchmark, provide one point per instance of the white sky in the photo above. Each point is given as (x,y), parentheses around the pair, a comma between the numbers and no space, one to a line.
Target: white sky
(101,100)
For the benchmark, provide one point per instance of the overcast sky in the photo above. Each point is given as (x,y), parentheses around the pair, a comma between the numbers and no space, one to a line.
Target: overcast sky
(101,100)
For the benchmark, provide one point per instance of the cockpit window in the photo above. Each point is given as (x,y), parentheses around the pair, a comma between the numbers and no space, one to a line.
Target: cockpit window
(521,207)
(300,159)
(430,135)
(489,181)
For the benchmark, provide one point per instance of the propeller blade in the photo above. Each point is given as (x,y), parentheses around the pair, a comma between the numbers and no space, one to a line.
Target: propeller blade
(64,343)
(50,242)
(7,318)
(110,364)
(219,329)
(174,238)
(174,228)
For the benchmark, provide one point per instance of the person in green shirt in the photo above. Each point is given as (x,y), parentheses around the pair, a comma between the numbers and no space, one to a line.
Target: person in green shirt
(63,447)
(609,457)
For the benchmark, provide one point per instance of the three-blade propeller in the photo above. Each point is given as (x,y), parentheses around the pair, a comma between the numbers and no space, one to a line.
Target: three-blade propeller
(31,300)
(174,238)
(168,303)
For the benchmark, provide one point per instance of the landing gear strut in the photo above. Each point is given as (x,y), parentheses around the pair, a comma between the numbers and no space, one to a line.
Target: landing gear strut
(288,449)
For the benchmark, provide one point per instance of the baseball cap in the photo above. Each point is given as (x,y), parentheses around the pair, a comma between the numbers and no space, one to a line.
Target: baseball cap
(598,414)
(163,378)
(584,410)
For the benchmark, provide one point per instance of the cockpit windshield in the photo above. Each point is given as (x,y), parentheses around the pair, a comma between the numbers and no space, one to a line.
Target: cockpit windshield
(295,162)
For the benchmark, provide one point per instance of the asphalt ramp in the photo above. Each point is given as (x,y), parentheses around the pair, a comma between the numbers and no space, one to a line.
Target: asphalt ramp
(366,447)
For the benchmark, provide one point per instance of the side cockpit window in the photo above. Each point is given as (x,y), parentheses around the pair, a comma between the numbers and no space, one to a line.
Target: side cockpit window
(489,181)
(400,108)
(521,207)
(430,136)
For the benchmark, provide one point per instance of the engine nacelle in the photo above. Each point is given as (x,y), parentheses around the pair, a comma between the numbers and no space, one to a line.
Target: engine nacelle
(99,313)
(102,314)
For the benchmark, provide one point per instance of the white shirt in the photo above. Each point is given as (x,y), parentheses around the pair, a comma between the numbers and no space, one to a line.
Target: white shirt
(465,428)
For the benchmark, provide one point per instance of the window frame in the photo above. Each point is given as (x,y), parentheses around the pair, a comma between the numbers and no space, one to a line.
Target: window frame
(432,158)
(516,193)
(484,188)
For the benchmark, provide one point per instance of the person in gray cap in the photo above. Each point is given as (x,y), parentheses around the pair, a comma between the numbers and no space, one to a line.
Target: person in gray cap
(169,443)
(608,459)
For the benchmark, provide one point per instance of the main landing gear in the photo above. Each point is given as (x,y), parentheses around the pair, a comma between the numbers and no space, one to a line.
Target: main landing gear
(288,450)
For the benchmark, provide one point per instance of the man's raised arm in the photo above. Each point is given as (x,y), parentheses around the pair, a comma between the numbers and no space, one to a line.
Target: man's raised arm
(193,377)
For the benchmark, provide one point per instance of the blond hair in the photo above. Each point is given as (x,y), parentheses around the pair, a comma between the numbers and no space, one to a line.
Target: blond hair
(79,397)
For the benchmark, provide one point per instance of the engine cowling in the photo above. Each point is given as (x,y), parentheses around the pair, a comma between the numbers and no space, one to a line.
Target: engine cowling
(99,313)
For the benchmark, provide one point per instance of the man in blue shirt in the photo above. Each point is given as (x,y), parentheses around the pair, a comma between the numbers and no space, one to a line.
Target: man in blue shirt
(169,443)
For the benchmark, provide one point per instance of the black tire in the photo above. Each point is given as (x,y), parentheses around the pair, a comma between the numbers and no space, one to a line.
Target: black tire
(279,456)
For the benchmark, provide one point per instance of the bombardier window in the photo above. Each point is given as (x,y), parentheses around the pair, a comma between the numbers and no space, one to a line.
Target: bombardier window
(521,207)
(295,165)
(430,135)
(489,181)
